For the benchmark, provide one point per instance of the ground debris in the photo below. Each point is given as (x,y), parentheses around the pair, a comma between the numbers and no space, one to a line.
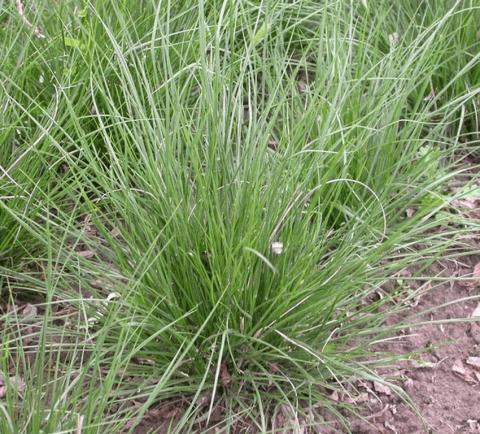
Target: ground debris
(394,39)
(29,311)
(410,212)
(16,383)
(85,254)
(476,312)
(225,376)
(381,388)
(277,247)
(459,369)
(37,31)
(473,425)
(474,361)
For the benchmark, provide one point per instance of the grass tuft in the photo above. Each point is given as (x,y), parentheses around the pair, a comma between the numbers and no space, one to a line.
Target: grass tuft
(199,199)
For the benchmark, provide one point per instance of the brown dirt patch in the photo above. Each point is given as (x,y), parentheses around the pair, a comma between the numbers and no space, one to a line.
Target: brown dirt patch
(444,379)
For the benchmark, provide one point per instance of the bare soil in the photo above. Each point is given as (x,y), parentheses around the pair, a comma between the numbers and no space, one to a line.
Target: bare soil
(444,380)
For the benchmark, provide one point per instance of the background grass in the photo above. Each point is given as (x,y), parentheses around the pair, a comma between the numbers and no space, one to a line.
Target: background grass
(153,152)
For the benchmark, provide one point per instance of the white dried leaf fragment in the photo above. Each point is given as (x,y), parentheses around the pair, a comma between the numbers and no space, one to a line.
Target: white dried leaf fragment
(394,39)
(277,247)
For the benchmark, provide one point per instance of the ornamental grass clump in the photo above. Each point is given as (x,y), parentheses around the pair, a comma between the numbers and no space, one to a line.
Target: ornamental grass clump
(234,188)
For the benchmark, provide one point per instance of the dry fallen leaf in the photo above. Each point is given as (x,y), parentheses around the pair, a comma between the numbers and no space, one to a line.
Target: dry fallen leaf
(468,203)
(394,39)
(85,254)
(391,427)
(302,86)
(459,369)
(363,397)
(430,96)
(114,232)
(274,368)
(112,295)
(474,361)
(37,31)
(408,385)
(476,275)
(272,144)
(29,311)
(405,272)
(17,383)
(410,212)
(381,388)
(166,412)
(277,247)
(470,280)
(476,312)
(473,424)
(225,376)
(334,396)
